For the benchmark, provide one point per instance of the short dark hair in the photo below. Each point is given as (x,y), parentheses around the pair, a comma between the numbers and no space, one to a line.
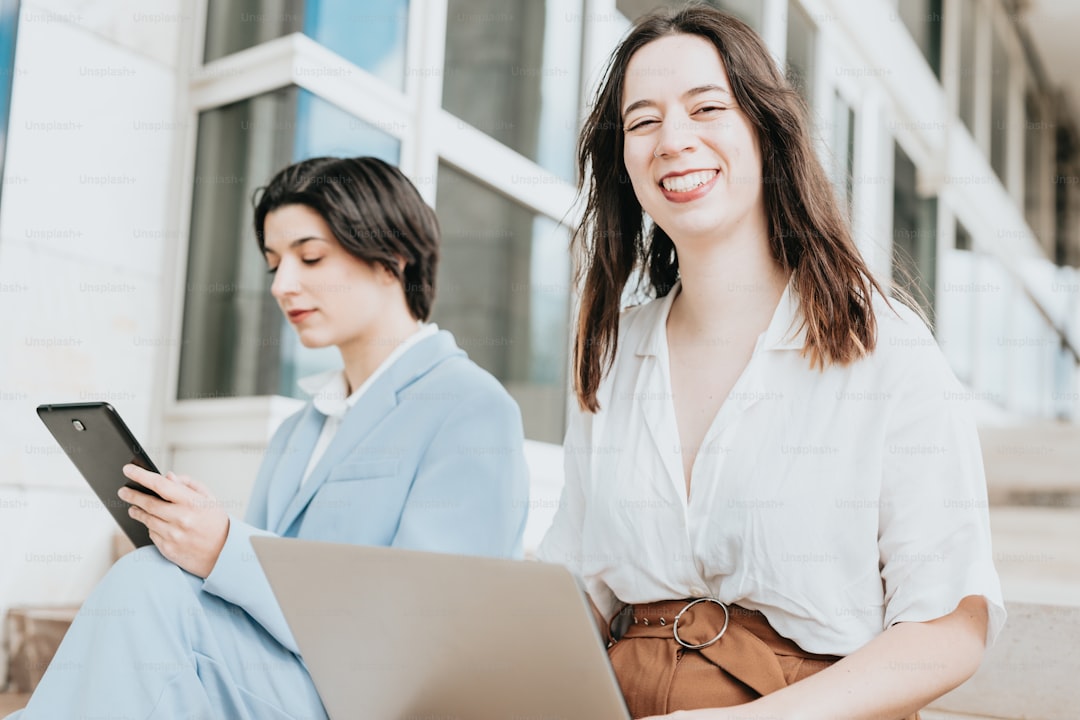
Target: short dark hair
(374,211)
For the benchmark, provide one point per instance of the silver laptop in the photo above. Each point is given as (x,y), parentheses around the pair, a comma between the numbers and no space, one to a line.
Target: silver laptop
(391,634)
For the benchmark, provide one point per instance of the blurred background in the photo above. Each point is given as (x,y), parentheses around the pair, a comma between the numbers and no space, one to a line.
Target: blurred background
(133,134)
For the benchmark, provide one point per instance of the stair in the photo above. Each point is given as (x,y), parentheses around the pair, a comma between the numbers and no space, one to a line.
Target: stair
(1032,464)
(33,635)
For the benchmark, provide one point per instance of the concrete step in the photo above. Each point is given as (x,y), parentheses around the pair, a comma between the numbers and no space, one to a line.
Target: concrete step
(1030,672)
(33,635)
(1032,464)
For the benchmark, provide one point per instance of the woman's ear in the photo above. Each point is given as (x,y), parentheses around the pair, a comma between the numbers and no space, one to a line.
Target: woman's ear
(387,275)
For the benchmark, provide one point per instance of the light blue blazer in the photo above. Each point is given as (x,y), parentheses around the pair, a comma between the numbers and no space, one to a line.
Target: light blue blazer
(430,458)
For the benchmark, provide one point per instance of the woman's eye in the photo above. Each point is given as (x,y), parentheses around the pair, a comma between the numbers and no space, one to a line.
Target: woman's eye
(271,271)
(712,108)
(311,261)
(640,124)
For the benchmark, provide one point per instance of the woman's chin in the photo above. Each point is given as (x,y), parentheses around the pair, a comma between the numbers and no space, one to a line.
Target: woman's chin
(313,342)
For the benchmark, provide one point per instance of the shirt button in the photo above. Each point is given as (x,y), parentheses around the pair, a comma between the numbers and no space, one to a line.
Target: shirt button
(697,592)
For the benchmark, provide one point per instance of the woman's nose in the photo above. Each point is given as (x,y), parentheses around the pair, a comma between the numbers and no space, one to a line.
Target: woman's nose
(676,135)
(285,281)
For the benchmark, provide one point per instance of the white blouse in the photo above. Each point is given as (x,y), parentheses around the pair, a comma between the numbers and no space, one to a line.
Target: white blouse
(836,502)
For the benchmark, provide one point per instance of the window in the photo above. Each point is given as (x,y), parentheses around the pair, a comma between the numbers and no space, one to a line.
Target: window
(512,70)
(958,312)
(368,35)
(1035,177)
(507,105)
(234,339)
(503,289)
(967,68)
(914,234)
(963,238)
(801,39)
(9,22)
(923,21)
(843,151)
(999,107)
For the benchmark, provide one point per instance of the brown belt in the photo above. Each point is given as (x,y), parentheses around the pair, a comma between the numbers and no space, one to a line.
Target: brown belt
(722,656)
(747,648)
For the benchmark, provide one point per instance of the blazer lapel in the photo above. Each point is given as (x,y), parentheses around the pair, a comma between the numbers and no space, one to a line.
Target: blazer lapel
(291,465)
(373,406)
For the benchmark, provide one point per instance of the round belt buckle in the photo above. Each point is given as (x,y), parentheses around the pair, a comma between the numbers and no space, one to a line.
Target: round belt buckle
(692,603)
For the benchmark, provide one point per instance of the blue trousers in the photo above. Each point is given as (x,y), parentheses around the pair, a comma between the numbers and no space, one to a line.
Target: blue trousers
(149,643)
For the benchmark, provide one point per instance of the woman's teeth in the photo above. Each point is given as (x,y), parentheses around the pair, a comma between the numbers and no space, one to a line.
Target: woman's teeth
(686,183)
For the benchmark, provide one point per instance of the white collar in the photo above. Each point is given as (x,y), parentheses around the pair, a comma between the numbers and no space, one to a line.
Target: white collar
(783,333)
(327,389)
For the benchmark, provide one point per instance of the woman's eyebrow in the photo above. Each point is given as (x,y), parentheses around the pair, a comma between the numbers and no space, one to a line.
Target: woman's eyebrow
(686,95)
(295,243)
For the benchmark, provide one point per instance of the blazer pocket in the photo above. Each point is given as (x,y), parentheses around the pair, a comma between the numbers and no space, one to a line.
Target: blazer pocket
(363,470)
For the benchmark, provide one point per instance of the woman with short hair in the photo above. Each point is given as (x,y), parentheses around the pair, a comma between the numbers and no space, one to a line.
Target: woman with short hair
(409,445)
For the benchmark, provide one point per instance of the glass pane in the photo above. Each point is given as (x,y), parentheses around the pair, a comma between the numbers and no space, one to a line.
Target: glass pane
(235,340)
(230,320)
(369,35)
(235,25)
(843,150)
(914,235)
(503,289)
(512,69)
(923,21)
(9,21)
(963,238)
(966,74)
(1034,177)
(999,107)
(957,313)
(801,35)
(990,360)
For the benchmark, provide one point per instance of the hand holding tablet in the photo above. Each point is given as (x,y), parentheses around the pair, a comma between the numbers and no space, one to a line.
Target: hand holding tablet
(99,444)
(174,512)
(182,517)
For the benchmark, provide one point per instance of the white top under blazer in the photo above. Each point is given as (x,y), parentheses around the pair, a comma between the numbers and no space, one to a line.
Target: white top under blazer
(836,502)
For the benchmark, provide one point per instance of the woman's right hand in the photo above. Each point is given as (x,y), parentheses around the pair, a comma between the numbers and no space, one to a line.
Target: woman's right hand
(188,525)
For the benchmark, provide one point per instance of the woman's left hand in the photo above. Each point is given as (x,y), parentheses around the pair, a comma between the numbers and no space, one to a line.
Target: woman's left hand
(189,526)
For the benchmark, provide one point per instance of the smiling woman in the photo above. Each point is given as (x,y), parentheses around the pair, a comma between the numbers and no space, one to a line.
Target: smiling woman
(760,470)
(353,249)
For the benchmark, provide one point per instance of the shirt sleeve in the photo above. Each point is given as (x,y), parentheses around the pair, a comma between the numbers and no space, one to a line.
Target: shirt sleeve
(934,525)
(564,541)
(239,578)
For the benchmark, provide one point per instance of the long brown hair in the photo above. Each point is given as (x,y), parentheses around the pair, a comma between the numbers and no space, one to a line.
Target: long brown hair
(808,235)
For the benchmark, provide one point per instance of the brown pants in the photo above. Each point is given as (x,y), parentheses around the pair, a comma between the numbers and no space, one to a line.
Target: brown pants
(659,676)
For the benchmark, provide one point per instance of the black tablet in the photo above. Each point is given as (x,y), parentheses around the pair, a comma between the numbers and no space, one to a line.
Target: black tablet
(99,444)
